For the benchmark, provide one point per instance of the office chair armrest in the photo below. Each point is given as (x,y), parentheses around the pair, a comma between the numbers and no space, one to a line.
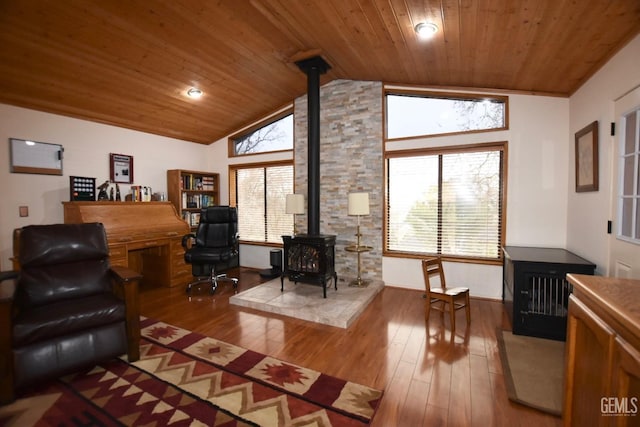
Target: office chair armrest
(186,239)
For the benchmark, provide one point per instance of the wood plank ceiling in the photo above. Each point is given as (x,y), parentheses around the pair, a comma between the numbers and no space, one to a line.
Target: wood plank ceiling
(129,63)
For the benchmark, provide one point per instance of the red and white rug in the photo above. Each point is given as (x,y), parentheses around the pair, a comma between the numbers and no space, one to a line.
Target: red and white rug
(188,379)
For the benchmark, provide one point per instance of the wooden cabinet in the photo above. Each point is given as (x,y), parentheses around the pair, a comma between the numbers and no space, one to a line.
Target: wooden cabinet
(602,370)
(143,236)
(180,271)
(190,191)
(535,292)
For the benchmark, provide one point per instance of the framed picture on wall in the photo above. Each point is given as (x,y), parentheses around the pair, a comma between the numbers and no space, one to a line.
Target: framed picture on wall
(587,158)
(121,168)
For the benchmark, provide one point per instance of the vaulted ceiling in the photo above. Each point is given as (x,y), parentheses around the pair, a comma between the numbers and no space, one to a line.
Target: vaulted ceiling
(129,63)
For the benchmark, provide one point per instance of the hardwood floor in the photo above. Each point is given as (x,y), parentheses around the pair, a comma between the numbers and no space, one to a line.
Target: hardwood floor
(427,379)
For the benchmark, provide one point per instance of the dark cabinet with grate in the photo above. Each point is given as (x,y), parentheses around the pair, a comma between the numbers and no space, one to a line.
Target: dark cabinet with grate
(535,291)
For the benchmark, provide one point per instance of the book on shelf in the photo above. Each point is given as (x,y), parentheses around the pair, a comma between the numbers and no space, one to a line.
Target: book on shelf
(195,219)
(208,183)
(140,193)
(186,182)
(197,182)
(197,201)
(191,218)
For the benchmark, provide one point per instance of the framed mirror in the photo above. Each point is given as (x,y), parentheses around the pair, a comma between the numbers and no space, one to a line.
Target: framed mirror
(35,157)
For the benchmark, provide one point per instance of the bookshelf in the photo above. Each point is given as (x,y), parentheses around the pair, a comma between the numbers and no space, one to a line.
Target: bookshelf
(190,191)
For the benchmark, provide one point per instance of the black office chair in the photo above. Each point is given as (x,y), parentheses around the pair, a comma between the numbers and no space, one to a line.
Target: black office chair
(214,247)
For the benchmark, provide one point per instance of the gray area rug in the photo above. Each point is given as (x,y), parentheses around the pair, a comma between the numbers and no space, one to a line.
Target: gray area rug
(304,301)
(533,370)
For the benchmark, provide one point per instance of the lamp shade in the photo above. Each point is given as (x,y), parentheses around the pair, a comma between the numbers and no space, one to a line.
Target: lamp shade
(294,204)
(358,203)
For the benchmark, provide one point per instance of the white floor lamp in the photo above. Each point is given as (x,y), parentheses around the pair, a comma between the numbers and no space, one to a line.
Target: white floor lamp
(358,206)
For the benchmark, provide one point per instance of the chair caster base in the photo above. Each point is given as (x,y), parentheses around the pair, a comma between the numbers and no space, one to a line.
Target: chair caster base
(213,282)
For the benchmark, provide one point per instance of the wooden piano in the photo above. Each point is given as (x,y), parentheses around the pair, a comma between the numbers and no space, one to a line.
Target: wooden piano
(144,236)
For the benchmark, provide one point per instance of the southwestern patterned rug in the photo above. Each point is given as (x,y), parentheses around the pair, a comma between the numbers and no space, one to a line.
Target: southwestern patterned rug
(187,379)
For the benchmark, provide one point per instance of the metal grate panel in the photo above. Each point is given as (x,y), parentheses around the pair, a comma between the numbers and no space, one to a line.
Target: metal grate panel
(548,295)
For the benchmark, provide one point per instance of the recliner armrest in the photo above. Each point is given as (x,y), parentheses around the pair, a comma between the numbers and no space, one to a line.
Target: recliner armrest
(127,289)
(8,281)
(7,285)
(124,274)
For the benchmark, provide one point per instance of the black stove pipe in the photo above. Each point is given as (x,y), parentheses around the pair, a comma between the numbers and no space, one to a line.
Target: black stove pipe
(313,68)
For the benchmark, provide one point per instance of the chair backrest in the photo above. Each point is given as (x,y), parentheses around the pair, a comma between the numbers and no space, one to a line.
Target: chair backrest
(62,261)
(433,267)
(218,227)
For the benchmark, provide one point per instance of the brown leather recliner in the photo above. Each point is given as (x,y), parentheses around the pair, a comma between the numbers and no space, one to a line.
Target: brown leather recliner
(66,308)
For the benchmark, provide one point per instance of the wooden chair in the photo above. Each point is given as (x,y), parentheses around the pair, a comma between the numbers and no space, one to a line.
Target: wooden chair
(443,298)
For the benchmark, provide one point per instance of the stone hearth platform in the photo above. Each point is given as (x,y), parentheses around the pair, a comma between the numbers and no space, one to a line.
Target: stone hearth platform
(304,301)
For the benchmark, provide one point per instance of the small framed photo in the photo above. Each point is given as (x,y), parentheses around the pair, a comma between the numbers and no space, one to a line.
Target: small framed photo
(587,158)
(121,168)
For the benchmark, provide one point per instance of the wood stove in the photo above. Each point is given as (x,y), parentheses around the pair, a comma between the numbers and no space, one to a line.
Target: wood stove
(310,259)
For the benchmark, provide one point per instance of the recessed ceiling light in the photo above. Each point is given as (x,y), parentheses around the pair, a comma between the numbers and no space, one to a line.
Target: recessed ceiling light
(194,93)
(426,30)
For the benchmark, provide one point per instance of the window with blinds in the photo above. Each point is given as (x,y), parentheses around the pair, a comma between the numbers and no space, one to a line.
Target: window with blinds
(259,193)
(447,202)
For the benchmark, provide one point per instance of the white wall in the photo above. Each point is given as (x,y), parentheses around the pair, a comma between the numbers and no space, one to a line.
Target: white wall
(536,192)
(588,213)
(86,153)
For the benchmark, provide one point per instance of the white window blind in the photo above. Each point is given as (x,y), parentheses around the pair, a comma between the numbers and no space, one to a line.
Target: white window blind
(413,204)
(251,204)
(447,203)
(279,184)
(260,194)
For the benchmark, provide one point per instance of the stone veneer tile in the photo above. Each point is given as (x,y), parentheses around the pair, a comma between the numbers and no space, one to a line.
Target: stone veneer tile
(351,160)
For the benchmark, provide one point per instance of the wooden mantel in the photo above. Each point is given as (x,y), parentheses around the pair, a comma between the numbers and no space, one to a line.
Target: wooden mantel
(144,236)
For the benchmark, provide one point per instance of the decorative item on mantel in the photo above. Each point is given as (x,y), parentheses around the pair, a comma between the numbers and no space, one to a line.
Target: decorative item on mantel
(294,205)
(102,191)
(358,206)
(82,188)
(140,193)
